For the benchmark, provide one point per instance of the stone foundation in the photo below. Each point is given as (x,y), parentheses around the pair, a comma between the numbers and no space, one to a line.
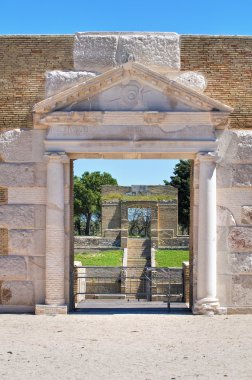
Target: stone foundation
(50,309)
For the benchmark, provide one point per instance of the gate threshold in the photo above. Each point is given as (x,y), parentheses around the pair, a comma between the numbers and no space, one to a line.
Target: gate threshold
(119,306)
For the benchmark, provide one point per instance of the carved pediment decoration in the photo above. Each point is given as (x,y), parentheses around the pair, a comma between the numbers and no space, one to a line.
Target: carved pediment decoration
(130,87)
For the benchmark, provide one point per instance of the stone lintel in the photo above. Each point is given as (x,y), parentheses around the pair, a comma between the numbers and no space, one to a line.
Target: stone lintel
(170,148)
(97,118)
(50,309)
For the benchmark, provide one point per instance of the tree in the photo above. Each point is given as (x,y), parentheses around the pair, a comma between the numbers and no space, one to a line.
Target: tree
(87,197)
(139,221)
(181,180)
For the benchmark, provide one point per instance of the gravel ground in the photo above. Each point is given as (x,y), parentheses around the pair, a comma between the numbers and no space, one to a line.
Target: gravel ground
(125,346)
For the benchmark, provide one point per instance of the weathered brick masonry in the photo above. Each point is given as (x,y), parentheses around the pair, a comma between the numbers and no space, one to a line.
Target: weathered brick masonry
(23,63)
(226,62)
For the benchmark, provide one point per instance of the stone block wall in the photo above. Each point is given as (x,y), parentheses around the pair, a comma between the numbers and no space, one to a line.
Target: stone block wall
(84,243)
(168,217)
(234,211)
(22,220)
(111,216)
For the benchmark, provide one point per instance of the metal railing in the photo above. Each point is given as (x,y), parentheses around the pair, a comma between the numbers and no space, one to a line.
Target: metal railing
(149,283)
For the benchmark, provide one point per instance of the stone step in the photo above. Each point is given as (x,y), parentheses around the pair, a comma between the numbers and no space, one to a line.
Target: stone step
(138,243)
(138,253)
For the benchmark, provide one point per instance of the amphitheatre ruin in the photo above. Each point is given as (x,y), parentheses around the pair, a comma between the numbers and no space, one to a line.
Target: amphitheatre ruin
(125,96)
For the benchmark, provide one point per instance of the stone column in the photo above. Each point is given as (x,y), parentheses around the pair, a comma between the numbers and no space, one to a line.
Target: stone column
(206,263)
(55,236)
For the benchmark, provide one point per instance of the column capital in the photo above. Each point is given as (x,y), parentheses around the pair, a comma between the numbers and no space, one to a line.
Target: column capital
(207,156)
(61,157)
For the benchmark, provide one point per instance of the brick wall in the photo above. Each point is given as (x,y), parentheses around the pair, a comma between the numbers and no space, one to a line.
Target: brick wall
(23,63)
(4,237)
(3,195)
(226,61)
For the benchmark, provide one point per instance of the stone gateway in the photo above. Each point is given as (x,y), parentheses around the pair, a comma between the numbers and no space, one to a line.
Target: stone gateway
(121,96)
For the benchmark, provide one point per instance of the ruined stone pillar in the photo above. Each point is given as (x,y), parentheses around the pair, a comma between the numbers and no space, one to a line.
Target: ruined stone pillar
(206,260)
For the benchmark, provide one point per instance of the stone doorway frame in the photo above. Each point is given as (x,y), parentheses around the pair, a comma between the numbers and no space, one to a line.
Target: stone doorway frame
(72,135)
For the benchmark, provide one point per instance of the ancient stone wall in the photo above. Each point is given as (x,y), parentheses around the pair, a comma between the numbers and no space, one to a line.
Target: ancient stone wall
(226,61)
(234,211)
(161,200)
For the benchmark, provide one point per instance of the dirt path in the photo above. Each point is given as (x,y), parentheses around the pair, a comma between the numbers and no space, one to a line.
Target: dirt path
(122,347)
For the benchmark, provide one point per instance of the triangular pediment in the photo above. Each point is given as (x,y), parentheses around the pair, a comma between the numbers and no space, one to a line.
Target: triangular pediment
(131,87)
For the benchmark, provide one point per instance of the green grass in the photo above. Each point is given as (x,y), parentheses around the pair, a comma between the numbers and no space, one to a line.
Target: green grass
(171,258)
(101,259)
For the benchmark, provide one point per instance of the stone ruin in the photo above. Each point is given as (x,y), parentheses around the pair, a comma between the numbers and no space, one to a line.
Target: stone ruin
(162,202)
(121,96)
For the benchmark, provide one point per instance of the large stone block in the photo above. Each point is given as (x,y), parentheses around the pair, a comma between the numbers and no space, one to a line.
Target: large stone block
(22,217)
(242,175)
(224,176)
(36,268)
(242,289)
(16,293)
(246,215)
(234,175)
(224,217)
(232,199)
(222,238)
(12,268)
(27,242)
(27,195)
(21,146)
(191,79)
(17,216)
(240,262)
(235,146)
(102,51)
(16,174)
(57,81)
(240,239)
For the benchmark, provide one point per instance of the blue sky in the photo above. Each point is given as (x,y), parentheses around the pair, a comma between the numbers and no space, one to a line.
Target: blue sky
(184,17)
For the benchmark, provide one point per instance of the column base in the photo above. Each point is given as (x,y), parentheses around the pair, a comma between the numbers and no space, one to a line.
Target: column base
(208,306)
(50,309)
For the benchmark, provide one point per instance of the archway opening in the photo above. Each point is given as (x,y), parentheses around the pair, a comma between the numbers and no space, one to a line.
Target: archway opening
(101,259)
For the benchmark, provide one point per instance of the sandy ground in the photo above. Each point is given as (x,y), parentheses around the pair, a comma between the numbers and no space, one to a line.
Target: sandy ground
(125,346)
